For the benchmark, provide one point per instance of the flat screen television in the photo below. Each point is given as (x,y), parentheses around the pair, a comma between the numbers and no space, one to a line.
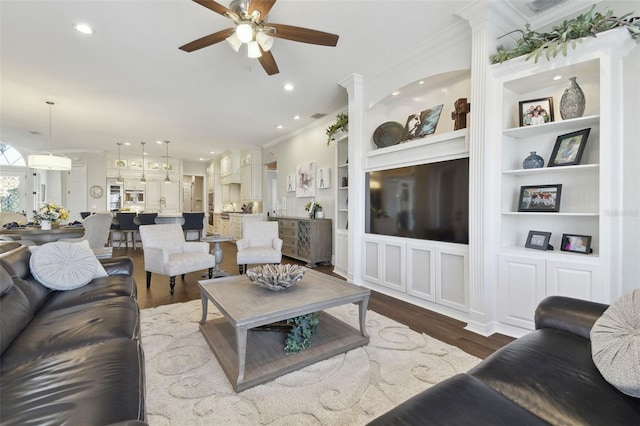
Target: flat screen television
(427,201)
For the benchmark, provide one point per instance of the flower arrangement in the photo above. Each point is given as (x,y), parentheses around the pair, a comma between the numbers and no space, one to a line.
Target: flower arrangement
(313,207)
(52,212)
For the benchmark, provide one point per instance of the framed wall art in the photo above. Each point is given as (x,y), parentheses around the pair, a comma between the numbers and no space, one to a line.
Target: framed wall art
(421,124)
(576,243)
(291,183)
(306,180)
(536,111)
(538,240)
(569,148)
(324,178)
(540,198)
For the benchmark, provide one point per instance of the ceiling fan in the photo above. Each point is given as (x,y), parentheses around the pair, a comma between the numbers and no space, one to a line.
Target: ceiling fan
(251,28)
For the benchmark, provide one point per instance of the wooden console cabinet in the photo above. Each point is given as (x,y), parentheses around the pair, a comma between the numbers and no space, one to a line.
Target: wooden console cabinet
(305,239)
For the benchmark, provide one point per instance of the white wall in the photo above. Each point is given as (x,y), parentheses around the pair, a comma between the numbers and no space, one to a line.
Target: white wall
(310,145)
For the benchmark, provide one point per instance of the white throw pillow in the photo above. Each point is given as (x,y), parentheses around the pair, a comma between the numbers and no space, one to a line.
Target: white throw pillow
(615,344)
(65,266)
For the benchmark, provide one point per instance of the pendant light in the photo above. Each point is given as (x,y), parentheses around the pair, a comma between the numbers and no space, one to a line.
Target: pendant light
(143,179)
(119,179)
(166,178)
(49,160)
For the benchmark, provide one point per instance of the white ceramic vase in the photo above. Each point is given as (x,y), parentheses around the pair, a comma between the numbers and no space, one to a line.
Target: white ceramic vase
(45,225)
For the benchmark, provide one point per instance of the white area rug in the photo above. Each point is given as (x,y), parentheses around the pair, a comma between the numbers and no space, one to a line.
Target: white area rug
(186,386)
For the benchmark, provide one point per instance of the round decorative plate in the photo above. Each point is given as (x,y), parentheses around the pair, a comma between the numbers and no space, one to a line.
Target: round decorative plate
(96,191)
(388,134)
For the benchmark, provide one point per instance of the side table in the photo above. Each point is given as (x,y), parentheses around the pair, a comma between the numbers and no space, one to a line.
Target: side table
(216,239)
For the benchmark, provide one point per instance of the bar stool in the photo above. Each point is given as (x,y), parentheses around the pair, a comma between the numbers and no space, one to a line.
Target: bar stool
(147,218)
(193,222)
(127,227)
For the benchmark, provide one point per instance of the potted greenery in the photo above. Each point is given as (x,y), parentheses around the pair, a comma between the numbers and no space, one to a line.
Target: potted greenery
(341,124)
(533,44)
(313,207)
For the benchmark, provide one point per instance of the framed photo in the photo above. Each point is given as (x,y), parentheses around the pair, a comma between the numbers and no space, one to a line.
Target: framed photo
(569,148)
(536,111)
(540,198)
(538,240)
(576,243)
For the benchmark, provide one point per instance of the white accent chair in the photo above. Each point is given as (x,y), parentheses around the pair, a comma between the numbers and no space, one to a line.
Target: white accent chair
(167,253)
(260,244)
(96,230)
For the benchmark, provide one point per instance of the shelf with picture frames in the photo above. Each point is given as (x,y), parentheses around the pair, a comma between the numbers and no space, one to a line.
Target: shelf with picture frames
(589,188)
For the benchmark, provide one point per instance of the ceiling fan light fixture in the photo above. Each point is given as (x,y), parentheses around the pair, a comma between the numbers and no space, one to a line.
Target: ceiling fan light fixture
(265,41)
(253,50)
(244,31)
(234,41)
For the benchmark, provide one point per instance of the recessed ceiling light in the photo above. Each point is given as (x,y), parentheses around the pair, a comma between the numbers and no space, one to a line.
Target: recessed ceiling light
(288,87)
(557,77)
(421,82)
(83,28)
(212,152)
(279,126)
(201,159)
(159,142)
(127,143)
(296,117)
(396,93)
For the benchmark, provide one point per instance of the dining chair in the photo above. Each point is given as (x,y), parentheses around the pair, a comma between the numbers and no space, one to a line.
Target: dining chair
(167,253)
(193,222)
(260,244)
(127,227)
(96,230)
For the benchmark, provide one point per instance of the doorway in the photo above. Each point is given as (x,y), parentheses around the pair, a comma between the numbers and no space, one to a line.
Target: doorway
(192,193)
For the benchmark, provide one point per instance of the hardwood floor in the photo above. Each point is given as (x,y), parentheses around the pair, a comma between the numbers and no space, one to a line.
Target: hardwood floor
(421,320)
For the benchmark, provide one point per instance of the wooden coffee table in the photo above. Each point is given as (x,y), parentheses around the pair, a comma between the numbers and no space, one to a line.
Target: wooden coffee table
(251,357)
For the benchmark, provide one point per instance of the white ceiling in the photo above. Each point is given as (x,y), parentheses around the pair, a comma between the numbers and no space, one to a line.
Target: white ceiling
(129,82)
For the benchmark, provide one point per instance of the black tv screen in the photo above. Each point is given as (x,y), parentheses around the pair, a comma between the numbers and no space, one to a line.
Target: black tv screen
(427,201)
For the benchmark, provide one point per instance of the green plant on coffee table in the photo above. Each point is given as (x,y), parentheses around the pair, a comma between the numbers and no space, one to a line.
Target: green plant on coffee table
(299,337)
(534,44)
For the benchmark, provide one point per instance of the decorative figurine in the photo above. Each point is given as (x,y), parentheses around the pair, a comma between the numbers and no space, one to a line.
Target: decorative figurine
(462,108)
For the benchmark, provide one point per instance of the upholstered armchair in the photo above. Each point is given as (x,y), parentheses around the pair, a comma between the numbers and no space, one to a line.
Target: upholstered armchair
(167,253)
(96,230)
(260,244)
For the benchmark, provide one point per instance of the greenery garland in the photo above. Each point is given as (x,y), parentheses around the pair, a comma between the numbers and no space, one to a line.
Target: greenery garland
(299,337)
(534,44)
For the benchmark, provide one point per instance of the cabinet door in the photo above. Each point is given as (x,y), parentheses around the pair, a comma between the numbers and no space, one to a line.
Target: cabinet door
(372,254)
(452,282)
(342,253)
(577,279)
(152,196)
(393,266)
(421,271)
(521,286)
(171,192)
(245,183)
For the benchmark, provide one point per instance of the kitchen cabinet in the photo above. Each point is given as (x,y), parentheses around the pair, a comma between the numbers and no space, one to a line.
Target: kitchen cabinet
(237,222)
(230,167)
(163,197)
(231,193)
(251,176)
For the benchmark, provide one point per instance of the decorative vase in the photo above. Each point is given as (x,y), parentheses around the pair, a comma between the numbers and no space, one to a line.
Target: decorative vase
(320,215)
(572,102)
(533,161)
(45,225)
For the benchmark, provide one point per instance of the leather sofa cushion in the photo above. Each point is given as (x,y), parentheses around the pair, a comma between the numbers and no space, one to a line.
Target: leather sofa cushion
(615,341)
(460,400)
(15,312)
(550,373)
(99,288)
(93,385)
(59,330)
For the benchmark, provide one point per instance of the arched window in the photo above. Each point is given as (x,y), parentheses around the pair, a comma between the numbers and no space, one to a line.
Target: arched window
(9,156)
(11,180)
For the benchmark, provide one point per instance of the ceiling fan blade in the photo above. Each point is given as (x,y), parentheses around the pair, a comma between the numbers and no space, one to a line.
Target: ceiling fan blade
(268,63)
(262,6)
(207,40)
(303,35)
(218,8)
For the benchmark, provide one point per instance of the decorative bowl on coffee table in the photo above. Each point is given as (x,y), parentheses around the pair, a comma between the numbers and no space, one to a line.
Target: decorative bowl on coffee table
(276,277)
